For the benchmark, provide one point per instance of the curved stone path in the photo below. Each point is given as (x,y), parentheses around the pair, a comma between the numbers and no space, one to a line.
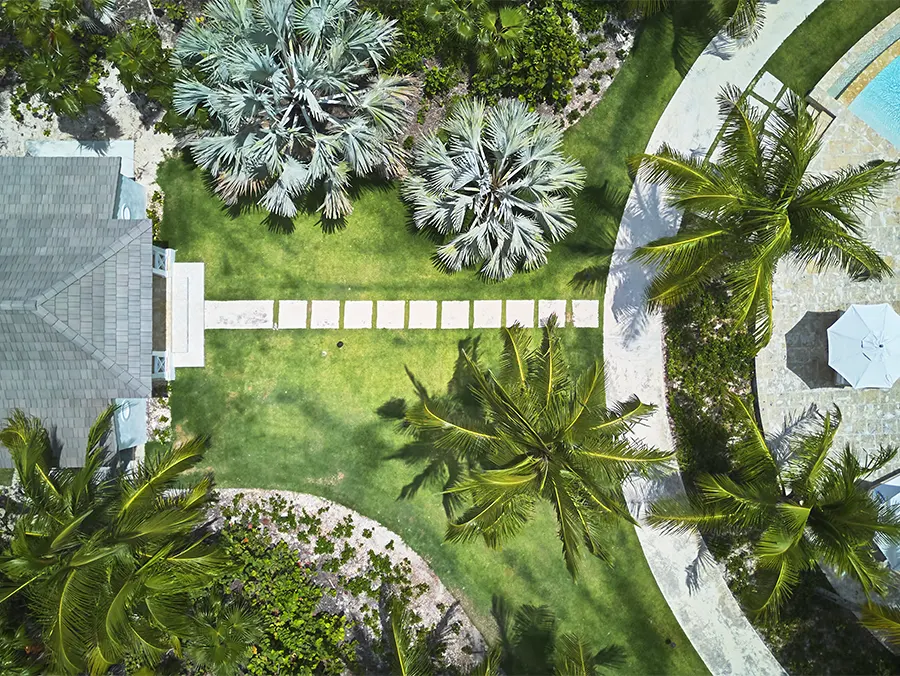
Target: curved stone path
(690,580)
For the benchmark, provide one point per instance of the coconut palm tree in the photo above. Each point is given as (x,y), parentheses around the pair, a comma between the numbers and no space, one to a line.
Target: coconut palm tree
(499,185)
(883,619)
(540,435)
(755,205)
(809,508)
(107,566)
(743,18)
(292,92)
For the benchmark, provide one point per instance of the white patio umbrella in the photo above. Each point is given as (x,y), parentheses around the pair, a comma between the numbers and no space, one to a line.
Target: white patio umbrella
(864,346)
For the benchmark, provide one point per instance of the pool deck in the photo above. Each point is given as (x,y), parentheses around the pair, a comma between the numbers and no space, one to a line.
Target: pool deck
(792,371)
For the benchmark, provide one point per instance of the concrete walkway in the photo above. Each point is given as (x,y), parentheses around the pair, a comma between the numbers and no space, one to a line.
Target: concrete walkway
(633,348)
(398,314)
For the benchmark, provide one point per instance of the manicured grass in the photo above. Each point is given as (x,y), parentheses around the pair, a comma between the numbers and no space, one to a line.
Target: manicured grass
(812,49)
(280,414)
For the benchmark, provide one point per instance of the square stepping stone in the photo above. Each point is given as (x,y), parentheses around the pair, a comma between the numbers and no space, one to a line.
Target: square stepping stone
(423,314)
(488,314)
(391,314)
(551,307)
(455,314)
(239,314)
(520,312)
(292,314)
(326,314)
(586,314)
(358,314)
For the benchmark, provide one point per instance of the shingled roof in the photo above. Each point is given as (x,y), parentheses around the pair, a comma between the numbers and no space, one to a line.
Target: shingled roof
(75,295)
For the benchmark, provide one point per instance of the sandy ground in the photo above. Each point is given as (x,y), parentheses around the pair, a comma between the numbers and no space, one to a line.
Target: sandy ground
(436,605)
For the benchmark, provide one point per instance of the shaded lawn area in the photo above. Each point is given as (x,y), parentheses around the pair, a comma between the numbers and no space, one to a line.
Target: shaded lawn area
(282,415)
(818,43)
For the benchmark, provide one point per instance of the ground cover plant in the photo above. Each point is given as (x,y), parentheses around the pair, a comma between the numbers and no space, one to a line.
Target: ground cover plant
(826,35)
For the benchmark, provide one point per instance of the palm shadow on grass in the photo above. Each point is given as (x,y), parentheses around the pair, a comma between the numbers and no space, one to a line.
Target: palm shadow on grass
(599,242)
(443,467)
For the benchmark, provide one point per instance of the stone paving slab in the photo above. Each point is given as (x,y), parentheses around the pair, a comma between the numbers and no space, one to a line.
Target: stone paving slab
(390,314)
(239,314)
(552,307)
(768,87)
(520,312)
(586,314)
(292,314)
(423,314)
(358,314)
(488,314)
(455,314)
(326,314)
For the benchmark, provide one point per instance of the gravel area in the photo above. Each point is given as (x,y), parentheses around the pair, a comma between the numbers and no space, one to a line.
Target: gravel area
(435,605)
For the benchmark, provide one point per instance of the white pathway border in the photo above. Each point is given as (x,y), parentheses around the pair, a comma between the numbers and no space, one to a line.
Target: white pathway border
(692,584)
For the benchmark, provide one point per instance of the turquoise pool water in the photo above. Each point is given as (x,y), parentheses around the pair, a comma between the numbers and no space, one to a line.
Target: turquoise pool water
(878,104)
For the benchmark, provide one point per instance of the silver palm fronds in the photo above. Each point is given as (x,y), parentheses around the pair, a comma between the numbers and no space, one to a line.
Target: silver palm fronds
(293,91)
(499,184)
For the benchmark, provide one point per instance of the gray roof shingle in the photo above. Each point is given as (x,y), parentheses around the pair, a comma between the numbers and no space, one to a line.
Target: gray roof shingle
(75,295)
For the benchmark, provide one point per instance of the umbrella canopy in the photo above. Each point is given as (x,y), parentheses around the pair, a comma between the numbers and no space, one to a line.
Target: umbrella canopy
(864,346)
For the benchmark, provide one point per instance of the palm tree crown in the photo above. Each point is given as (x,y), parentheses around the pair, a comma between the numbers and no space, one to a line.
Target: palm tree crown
(808,509)
(744,21)
(539,436)
(499,185)
(293,93)
(756,204)
(105,564)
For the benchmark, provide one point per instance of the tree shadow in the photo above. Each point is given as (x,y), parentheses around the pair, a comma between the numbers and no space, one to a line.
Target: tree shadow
(442,466)
(806,349)
(598,243)
(694,25)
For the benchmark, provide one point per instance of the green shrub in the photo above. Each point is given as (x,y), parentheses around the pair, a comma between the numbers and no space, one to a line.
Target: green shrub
(175,12)
(298,638)
(581,88)
(621,54)
(707,356)
(418,40)
(591,14)
(548,58)
(439,81)
(573,116)
(408,143)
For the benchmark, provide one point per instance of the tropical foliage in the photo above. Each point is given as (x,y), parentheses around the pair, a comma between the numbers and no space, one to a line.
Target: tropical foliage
(534,433)
(499,185)
(883,619)
(493,30)
(798,511)
(743,19)
(292,91)
(107,566)
(755,205)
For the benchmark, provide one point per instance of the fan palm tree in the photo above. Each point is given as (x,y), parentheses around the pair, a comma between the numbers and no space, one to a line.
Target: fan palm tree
(499,185)
(743,19)
(539,436)
(106,566)
(292,91)
(756,205)
(810,508)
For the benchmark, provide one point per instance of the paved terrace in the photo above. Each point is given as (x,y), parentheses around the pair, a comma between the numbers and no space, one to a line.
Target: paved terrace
(792,371)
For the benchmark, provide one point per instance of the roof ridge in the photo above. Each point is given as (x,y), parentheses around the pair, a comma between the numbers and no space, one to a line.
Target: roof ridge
(140,227)
(90,349)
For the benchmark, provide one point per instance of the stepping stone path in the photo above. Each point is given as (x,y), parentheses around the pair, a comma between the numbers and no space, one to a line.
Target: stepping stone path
(398,314)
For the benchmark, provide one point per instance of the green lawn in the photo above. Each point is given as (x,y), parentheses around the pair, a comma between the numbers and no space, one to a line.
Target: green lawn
(280,414)
(812,49)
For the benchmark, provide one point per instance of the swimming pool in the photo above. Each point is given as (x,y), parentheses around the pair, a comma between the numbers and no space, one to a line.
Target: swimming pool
(878,105)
